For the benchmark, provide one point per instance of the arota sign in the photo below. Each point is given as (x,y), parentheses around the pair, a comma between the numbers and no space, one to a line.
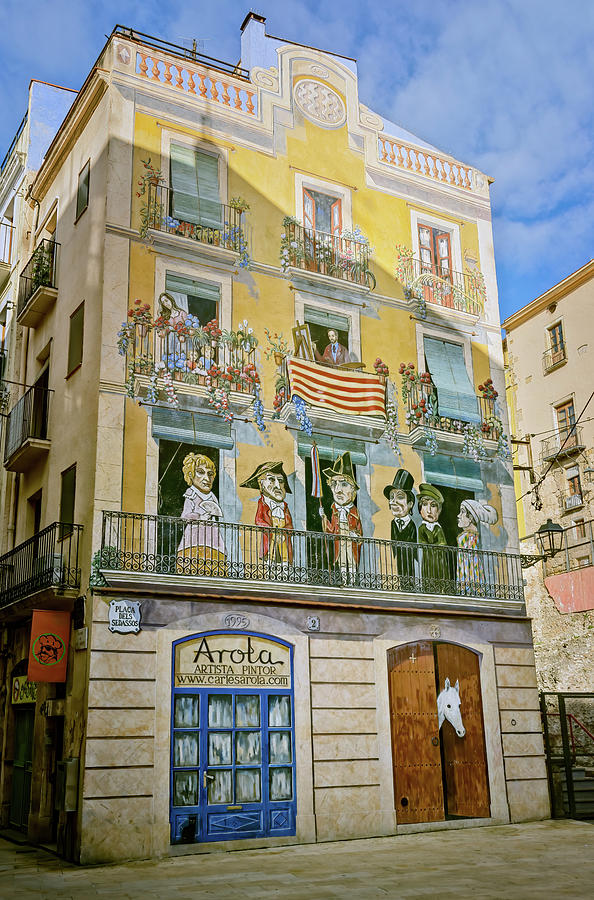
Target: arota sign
(232,660)
(48,650)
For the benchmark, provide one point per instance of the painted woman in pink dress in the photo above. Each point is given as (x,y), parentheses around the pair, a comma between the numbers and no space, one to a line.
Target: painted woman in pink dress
(470,571)
(201,550)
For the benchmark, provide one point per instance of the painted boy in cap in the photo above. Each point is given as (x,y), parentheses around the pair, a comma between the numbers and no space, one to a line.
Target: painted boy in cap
(435,564)
(273,510)
(345,520)
(401,499)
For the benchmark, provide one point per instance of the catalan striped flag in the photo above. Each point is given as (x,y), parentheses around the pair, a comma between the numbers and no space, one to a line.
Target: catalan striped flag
(316,475)
(344,391)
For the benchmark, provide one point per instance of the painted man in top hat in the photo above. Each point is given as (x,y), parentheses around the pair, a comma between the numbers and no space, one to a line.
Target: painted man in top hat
(345,521)
(273,510)
(435,563)
(401,499)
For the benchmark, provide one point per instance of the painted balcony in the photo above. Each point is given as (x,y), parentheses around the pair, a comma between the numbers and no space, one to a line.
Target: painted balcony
(37,285)
(553,358)
(27,430)
(215,225)
(421,411)
(138,550)
(566,442)
(47,561)
(7,239)
(308,250)
(441,286)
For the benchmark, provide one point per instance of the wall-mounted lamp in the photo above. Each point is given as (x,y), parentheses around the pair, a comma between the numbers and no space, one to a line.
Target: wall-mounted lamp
(550,541)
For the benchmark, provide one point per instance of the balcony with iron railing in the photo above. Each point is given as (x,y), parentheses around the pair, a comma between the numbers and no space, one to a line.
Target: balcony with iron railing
(142,549)
(423,409)
(553,358)
(345,258)
(573,501)
(37,284)
(213,224)
(7,235)
(27,430)
(48,560)
(438,285)
(565,442)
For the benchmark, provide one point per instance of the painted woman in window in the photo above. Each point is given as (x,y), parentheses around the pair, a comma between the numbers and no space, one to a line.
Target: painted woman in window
(470,572)
(201,550)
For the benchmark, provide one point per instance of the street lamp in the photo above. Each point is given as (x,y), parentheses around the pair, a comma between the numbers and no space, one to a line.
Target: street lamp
(550,540)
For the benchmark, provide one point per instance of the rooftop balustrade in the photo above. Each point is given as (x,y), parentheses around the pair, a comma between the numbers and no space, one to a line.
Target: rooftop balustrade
(170,548)
(49,559)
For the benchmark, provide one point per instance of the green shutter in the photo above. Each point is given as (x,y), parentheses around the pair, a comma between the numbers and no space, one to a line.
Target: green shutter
(210,212)
(456,398)
(75,338)
(314,316)
(188,286)
(453,471)
(184,183)
(191,428)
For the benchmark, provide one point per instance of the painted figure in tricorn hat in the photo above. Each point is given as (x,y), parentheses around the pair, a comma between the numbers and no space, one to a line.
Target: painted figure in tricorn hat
(401,499)
(435,562)
(345,521)
(273,510)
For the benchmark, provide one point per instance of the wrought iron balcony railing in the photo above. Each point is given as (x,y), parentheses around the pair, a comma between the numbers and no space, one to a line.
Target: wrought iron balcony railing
(170,546)
(28,419)
(40,271)
(440,285)
(572,501)
(183,357)
(216,224)
(553,357)
(327,254)
(421,410)
(566,441)
(49,559)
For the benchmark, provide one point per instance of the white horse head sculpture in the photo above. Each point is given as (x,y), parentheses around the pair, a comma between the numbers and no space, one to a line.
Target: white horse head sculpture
(448,707)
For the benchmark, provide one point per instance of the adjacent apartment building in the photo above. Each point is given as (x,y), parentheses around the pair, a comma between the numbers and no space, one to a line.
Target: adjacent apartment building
(261,580)
(549,353)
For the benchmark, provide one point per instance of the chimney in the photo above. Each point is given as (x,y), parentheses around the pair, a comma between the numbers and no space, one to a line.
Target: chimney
(253,40)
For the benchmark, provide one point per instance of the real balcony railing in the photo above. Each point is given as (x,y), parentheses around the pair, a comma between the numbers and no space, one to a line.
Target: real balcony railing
(185,359)
(328,254)
(565,442)
(553,357)
(211,223)
(49,559)
(7,232)
(442,286)
(160,545)
(418,414)
(27,426)
(572,501)
(37,284)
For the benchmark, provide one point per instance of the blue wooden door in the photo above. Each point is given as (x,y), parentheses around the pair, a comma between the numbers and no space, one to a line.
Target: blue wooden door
(232,765)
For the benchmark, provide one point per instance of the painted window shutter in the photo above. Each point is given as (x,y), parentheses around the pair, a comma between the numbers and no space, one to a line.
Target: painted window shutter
(425,248)
(444,254)
(182,285)
(453,471)
(456,398)
(210,212)
(336,212)
(309,210)
(184,183)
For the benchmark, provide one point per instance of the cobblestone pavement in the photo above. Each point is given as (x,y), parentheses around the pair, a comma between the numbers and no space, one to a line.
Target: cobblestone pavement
(541,859)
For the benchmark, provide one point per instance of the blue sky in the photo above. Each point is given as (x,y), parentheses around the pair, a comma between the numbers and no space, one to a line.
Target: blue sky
(506,85)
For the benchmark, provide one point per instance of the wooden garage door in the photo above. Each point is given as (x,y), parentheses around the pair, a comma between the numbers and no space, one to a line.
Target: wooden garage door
(464,759)
(418,787)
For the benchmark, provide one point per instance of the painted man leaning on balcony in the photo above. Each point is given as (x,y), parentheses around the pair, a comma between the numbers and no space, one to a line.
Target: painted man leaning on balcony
(335,354)
(273,512)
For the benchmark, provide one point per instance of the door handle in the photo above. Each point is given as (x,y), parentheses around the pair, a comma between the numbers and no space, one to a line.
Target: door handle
(206,777)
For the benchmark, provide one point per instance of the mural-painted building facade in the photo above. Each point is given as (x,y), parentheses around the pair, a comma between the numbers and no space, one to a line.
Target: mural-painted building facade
(272,485)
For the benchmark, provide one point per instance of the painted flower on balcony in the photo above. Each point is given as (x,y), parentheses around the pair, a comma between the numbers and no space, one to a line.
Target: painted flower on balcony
(174,347)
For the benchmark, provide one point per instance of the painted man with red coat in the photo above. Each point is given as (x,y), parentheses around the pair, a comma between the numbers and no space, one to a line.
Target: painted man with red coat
(273,511)
(345,520)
